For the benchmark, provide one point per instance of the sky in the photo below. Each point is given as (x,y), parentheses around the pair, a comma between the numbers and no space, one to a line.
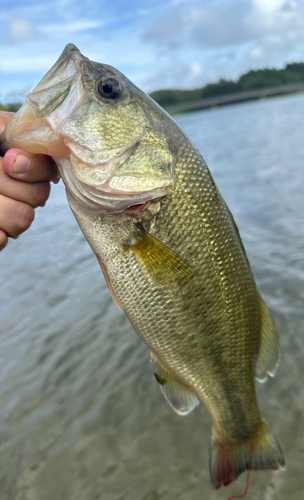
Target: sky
(156,43)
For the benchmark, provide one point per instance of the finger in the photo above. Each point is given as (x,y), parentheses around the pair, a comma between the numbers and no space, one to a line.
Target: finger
(28,167)
(34,194)
(3,239)
(5,117)
(15,216)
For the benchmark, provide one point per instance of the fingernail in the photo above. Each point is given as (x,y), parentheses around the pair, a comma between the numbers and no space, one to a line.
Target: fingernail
(21,164)
(57,178)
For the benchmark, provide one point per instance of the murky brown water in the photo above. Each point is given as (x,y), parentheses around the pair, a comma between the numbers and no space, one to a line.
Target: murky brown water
(82,417)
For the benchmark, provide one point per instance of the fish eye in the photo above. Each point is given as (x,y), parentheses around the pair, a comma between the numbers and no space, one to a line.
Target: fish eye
(109,88)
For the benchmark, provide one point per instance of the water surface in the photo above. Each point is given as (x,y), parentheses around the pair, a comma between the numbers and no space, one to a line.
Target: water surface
(82,417)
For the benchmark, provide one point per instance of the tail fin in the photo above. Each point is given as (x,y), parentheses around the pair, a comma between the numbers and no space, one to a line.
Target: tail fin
(228,459)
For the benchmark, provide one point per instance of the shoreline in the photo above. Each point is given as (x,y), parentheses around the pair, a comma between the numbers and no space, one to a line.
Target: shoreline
(234,98)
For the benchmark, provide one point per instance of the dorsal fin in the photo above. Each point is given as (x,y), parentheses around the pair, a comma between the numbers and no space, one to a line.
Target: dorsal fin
(179,396)
(269,350)
(161,262)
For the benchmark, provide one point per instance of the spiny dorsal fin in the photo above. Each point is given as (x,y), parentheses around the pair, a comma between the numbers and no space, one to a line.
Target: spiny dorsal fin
(179,396)
(161,263)
(269,350)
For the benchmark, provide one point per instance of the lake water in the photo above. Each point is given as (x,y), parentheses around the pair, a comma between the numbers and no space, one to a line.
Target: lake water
(82,417)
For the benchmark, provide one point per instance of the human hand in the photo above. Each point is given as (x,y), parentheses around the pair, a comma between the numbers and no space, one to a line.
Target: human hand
(24,185)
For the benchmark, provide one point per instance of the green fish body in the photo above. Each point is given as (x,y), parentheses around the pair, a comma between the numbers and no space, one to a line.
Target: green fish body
(168,246)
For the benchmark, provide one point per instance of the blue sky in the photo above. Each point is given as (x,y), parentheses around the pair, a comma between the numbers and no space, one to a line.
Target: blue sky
(156,43)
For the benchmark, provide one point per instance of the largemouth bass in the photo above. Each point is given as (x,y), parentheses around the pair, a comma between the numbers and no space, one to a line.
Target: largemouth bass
(168,247)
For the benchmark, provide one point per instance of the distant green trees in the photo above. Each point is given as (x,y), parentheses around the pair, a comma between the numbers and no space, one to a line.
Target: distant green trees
(13,106)
(254,79)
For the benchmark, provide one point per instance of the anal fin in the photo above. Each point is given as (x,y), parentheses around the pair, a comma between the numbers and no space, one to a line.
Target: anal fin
(269,350)
(108,281)
(179,396)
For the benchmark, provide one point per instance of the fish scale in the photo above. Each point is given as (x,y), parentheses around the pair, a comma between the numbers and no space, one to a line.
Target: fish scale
(188,170)
(167,244)
(161,336)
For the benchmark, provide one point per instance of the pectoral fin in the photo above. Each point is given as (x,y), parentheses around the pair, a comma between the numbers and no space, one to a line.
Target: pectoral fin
(107,278)
(161,262)
(269,351)
(179,396)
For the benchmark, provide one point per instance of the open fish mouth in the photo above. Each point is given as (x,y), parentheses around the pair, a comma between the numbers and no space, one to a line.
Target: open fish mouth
(69,63)
(28,128)
(108,154)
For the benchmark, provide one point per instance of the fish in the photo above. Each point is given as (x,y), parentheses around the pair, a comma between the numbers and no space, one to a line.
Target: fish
(168,247)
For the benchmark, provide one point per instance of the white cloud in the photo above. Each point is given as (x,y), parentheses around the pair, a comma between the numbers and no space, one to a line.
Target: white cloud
(256,53)
(22,29)
(196,70)
(171,43)
(215,25)
(227,22)
(27,64)
(74,27)
(167,28)
(181,75)
(269,6)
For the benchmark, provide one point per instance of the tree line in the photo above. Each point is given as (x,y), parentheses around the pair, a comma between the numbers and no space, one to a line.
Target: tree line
(254,79)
